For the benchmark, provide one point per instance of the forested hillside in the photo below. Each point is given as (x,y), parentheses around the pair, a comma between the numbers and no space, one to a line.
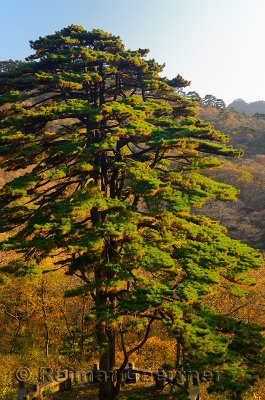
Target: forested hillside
(245,219)
(113,187)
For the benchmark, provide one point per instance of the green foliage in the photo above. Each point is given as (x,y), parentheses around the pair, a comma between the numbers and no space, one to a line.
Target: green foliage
(115,157)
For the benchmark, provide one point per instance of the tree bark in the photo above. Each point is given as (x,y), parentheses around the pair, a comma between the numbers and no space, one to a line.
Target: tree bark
(106,342)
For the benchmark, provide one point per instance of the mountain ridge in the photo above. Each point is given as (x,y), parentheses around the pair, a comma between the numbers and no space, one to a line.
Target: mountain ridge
(251,108)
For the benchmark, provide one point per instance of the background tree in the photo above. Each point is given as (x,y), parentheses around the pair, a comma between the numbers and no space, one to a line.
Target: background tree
(193,95)
(220,104)
(211,101)
(7,65)
(114,156)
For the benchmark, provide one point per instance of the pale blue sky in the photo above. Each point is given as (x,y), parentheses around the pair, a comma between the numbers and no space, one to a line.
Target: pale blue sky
(217,44)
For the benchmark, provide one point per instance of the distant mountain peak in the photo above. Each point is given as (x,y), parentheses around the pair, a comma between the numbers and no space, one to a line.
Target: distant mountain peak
(239,100)
(250,108)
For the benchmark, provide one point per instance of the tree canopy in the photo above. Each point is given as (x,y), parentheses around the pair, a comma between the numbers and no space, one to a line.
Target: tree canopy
(111,158)
(7,65)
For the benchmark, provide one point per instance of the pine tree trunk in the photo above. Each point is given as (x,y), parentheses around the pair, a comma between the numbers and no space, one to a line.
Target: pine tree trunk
(106,342)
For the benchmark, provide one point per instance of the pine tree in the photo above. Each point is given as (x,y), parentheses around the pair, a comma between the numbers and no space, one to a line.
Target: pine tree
(112,158)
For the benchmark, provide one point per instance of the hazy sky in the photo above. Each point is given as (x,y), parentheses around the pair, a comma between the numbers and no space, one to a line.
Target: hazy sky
(217,44)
